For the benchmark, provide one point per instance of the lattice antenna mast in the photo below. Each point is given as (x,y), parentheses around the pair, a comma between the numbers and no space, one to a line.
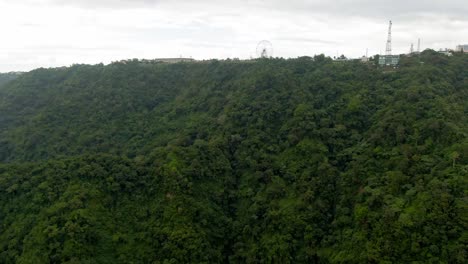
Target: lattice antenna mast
(388,50)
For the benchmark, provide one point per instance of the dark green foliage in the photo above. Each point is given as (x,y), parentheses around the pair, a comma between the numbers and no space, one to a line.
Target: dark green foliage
(7,77)
(267,161)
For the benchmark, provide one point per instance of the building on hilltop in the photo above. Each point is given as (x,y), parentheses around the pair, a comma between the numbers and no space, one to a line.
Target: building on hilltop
(446,52)
(173,60)
(462,48)
(341,58)
(364,59)
(389,60)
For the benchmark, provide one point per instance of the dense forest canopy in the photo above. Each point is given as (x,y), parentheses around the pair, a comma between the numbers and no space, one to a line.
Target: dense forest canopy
(270,161)
(7,77)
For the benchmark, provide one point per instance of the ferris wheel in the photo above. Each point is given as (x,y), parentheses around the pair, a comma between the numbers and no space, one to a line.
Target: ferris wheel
(264,49)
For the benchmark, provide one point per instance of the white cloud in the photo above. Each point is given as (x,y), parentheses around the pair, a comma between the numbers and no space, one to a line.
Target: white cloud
(51,33)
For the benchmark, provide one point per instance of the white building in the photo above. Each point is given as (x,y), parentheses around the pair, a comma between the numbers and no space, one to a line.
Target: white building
(174,60)
(462,48)
(389,60)
(446,52)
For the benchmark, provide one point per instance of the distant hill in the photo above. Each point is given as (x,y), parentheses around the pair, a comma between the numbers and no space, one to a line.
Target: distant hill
(6,77)
(268,161)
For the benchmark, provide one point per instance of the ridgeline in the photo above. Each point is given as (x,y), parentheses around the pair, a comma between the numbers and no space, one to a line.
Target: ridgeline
(274,161)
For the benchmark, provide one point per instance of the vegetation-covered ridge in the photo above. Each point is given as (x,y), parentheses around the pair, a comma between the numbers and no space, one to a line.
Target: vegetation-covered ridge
(270,161)
(7,77)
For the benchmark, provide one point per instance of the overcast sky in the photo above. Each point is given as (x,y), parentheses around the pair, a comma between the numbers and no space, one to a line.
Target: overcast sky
(51,33)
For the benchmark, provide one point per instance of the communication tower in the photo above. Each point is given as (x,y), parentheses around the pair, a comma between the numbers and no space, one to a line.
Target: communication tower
(388,59)
(388,50)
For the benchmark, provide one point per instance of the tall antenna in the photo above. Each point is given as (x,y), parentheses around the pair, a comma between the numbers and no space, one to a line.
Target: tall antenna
(412,49)
(419,45)
(388,50)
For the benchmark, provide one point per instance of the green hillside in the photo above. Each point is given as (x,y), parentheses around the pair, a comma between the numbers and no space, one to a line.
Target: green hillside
(270,161)
(7,77)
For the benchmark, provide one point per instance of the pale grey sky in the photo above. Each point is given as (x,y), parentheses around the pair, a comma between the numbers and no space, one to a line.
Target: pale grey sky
(51,33)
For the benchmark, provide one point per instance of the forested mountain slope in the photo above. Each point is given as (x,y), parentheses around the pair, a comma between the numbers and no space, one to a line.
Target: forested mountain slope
(270,161)
(7,77)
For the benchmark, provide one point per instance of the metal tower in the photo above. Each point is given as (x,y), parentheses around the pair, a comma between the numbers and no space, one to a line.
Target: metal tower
(419,45)
(412,49)
(388,50)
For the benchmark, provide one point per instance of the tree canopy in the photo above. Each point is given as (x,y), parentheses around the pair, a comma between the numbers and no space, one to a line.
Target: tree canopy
(268,161)
(7,77)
